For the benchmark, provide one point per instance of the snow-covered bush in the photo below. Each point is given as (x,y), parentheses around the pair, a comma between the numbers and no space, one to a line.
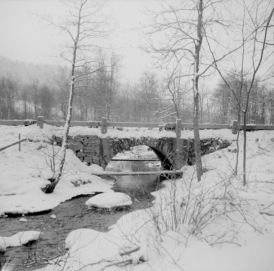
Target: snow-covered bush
(211,210)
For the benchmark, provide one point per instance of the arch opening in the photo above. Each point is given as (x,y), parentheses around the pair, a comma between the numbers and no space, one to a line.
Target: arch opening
(165,161)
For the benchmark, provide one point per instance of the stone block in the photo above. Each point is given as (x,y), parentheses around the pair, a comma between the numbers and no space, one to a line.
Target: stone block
(93,141)
(81,154)
(78,138)
(75,146)
(96,160)
(81,159)
(106,147)
(88,159)
(90,149)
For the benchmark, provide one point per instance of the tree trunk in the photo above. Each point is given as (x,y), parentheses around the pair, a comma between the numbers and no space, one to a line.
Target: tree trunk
(237,142)
(58,174)
(244,149)
(197,141)
(198,44)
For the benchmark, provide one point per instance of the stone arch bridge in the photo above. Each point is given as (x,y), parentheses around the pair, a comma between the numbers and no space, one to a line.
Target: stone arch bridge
(93,149)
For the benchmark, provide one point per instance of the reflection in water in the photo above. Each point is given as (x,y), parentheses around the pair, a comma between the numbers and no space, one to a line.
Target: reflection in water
(136,185)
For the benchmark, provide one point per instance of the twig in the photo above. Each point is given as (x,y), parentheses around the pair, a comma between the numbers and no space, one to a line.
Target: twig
(127,252)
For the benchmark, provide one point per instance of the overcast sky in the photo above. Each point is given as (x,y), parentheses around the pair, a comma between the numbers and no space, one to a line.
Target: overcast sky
(25,36)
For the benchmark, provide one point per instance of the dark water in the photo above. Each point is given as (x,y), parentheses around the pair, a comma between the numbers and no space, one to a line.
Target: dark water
(74,214)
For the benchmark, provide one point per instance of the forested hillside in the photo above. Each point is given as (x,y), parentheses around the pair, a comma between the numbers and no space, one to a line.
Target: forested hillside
(28,90)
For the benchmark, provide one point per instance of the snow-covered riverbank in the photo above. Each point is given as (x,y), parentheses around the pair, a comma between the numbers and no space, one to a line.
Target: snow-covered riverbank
(216,224)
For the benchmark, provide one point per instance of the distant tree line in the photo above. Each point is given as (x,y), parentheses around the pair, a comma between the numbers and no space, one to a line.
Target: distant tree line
(261,101)
(150,99)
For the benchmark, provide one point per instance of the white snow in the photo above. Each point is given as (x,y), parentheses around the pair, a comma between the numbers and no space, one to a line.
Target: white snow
(19,239)
(144,132)
(23,174)
(216,224)
(109,200)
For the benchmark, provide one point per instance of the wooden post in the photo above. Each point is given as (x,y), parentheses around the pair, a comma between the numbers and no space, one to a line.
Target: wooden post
(234,127)
(19,142)
(104,125)
(177,143)
(40,121)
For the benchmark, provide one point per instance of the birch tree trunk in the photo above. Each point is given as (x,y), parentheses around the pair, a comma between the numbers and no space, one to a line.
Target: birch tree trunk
(58,174)
(79,36)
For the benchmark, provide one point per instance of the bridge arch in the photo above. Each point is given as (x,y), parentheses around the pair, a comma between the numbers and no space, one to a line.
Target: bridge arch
(95,150)
(165,161)
(162,147)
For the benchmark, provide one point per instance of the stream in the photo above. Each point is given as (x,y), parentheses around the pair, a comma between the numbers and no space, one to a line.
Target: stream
(74,214)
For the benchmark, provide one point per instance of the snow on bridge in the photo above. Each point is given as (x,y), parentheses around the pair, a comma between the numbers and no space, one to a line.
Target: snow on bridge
(93,147)
(173,148)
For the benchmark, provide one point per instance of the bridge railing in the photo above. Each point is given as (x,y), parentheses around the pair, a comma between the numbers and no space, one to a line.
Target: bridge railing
(104,124)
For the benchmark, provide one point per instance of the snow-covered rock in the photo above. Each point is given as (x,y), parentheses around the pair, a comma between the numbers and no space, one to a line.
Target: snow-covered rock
(19,239)
(109,200)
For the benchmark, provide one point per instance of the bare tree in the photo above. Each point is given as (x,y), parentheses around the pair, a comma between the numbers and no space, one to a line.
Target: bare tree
(177,35)
(34,90)
(176,90)
(148,92)
(46,101)
(8,89)
(82,27)
(62,83)
(204,105)
(255,26)
(25,97)
(105,84)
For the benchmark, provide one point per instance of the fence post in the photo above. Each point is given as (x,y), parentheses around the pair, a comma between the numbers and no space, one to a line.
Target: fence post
(234,127)
(104,125)
(177,143)
(40,121)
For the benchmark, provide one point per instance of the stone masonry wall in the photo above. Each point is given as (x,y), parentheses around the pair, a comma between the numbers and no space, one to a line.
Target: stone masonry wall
(95,150)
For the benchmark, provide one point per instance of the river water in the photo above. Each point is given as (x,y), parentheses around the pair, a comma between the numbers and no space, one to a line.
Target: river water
(74,214)
(137,186)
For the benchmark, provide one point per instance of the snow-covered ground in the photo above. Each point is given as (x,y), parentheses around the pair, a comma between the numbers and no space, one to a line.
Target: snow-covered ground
(23,173)
(217,224)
